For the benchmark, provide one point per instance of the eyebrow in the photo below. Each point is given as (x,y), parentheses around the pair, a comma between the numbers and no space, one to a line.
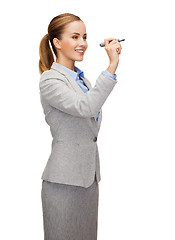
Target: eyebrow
(78,33)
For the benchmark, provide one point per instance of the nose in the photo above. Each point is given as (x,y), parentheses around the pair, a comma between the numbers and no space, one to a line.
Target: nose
(82,42)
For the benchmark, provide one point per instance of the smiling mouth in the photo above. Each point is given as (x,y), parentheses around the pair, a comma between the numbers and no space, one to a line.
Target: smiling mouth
(81,52)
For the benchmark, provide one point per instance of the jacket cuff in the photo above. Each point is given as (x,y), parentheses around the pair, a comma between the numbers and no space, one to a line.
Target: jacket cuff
(110,75)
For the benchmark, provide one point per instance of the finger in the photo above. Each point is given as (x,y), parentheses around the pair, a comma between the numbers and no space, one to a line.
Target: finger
(118,50)
(116,47)
(119,47)
(116,44)
(114,41)
(107,40)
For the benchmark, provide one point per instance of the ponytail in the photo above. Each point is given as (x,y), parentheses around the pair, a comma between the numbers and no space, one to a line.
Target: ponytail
(46,56)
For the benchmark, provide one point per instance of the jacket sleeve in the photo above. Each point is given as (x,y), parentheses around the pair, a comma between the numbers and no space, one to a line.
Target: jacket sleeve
(58,94)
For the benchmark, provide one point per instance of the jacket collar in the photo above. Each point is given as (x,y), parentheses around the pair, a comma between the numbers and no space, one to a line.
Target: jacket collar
(75,74)
(72,81)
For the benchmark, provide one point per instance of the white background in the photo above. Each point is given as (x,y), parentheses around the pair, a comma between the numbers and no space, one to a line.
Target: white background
(137,136)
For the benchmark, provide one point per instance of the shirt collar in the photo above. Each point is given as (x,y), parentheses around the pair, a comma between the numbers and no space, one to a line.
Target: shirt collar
(75,74)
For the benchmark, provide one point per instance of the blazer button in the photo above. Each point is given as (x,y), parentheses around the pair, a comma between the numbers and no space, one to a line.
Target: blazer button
(95,139)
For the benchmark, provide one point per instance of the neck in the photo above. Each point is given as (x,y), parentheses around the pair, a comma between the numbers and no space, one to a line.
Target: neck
(69,64)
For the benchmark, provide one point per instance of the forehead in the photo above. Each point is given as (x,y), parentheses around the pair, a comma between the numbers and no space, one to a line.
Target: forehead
(76,26)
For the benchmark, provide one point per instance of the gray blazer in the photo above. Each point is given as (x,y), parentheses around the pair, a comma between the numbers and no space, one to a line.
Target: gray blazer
(70,113)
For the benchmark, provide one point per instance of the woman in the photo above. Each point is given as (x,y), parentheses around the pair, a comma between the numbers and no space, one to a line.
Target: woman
(72,109)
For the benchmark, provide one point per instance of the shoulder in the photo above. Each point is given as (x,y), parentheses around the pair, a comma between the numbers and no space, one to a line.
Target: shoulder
(50,74)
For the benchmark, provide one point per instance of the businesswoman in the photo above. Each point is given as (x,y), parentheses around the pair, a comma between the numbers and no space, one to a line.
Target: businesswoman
(72,109)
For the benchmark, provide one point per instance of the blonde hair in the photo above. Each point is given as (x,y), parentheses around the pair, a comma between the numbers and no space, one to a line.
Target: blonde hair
(55,30)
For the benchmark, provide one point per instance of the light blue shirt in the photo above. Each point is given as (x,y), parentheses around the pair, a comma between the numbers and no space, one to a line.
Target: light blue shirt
(78,72)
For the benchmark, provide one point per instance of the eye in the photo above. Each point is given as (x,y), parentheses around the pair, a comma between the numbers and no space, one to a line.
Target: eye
(75,37)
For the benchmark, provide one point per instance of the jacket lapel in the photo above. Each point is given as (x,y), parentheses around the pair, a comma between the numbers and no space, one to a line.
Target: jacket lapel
(73,83)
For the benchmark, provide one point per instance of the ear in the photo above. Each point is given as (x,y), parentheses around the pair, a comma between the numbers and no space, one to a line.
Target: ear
(57,43)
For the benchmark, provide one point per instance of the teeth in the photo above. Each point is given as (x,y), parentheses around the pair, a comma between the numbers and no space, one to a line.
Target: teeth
(79,51)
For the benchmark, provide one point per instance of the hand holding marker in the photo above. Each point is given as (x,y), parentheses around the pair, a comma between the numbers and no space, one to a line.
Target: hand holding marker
(112,45)
(103,44)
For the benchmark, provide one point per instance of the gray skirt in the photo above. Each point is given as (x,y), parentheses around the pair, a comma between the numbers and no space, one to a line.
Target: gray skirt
(69,212)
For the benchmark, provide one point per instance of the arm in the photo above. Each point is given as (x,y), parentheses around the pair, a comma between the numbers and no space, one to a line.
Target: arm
(56,93)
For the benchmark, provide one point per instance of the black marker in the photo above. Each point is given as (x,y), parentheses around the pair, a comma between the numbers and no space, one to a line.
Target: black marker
(103,44)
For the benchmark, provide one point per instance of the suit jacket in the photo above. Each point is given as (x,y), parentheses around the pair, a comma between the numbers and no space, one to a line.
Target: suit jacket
(70,113)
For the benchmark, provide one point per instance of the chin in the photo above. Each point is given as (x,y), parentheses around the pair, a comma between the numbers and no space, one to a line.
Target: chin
(79,60)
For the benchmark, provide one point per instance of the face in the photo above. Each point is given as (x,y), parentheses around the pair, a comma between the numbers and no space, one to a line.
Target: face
(73,44)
